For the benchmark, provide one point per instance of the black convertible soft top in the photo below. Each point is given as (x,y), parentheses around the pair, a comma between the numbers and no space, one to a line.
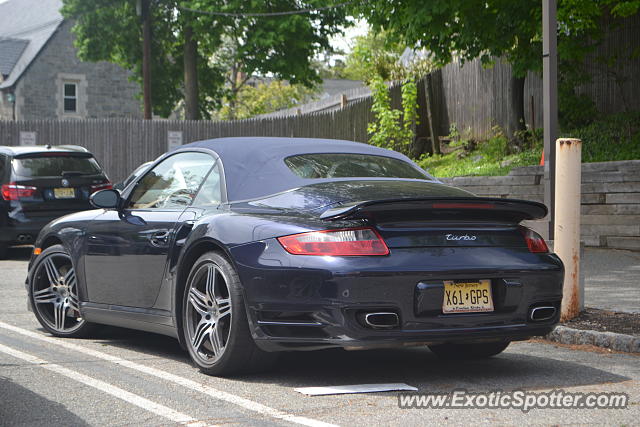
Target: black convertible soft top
(254,166)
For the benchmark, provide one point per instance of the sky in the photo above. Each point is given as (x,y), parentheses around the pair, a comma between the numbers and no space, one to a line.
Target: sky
(345,43)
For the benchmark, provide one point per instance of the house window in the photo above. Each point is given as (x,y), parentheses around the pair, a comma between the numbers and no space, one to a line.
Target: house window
(70,97)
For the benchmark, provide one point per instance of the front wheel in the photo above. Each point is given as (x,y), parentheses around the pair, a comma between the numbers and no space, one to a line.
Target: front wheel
(53,292)
(214,320)
(469,351)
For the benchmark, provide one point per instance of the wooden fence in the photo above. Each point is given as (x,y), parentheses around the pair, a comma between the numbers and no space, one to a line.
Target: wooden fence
(475,98)
(122,144)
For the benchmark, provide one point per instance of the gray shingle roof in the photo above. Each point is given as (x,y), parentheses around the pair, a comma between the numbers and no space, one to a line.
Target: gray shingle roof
(33,21)
(10,52)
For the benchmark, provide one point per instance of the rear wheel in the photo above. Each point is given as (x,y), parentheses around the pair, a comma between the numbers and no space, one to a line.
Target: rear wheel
(469,351)
(53,292)
(214,322)
(4,249)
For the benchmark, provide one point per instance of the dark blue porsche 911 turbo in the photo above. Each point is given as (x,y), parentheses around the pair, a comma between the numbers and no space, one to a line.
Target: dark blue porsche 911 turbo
(244,247)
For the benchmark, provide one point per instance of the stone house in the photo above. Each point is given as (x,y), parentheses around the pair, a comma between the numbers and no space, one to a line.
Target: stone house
(41,76)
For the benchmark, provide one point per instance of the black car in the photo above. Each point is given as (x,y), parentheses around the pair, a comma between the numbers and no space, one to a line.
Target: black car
(244,247)
(41,183)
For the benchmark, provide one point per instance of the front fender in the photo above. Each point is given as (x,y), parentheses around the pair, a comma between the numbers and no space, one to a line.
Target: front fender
(69,231)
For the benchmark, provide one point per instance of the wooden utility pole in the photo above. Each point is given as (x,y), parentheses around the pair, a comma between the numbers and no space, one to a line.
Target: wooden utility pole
(191,107)
(435,142)
(550,103)
(145,15)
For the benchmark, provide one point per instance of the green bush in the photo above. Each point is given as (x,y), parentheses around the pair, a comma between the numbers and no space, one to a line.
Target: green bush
(610,138)
(614,137)
(491,157)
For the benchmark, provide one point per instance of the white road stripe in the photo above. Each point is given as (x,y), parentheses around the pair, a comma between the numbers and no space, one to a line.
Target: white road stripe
(193,385)
(128,397)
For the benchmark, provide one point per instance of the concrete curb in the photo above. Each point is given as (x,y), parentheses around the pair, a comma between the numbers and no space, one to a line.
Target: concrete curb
(611,340)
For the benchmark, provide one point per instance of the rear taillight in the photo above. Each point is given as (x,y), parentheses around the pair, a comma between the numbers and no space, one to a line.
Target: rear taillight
(104,186)
(13,191)
(344,242)
(535,242)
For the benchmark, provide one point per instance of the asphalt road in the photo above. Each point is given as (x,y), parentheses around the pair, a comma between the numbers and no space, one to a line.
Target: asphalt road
(612,279)
(122,377)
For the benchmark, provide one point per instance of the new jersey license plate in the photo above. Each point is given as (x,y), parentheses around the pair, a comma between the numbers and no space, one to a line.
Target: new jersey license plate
(64,193)
(467,297)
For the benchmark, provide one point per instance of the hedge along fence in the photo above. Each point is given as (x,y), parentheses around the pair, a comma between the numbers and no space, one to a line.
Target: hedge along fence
(123,144)
(610,199)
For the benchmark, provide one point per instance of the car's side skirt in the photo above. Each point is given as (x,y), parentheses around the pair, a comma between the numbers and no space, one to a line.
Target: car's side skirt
(149,320)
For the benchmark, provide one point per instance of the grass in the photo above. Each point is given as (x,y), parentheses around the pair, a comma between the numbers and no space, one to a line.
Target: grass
(614,137)
(489,159)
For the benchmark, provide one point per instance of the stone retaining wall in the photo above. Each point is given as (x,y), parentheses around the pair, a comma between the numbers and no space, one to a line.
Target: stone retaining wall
(610,199)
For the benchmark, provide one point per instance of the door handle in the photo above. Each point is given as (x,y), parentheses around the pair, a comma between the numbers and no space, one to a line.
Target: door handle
(160,238)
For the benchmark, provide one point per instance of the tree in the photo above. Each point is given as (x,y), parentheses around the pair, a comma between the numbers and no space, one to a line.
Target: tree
(110,30)
(265,97)
(196,53)
(373,55)
(392,128)
(282,47)
(511,29)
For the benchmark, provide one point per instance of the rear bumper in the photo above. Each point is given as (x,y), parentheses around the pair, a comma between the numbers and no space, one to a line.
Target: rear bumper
(409,338)
(21,233)
(306,303)
(16,227)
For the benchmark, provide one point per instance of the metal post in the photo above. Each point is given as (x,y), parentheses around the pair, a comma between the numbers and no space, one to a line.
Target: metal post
(567,222)
(550,102)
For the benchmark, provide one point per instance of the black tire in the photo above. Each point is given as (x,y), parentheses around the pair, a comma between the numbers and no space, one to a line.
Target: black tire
(53,295)
(468,351)
(4,250)
(214,321)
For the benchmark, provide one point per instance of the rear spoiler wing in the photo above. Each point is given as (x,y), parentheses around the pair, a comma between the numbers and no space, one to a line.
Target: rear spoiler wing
(445,208)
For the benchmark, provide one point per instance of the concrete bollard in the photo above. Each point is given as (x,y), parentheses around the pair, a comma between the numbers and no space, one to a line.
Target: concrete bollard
(567,222)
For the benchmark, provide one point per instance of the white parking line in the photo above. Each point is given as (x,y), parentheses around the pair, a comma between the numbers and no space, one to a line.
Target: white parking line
(193,385)
(128,397)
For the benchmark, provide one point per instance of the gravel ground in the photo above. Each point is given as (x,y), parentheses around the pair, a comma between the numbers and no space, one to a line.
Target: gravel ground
(607,321)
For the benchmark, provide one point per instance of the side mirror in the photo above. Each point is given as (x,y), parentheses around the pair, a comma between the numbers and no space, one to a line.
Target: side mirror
(106,199)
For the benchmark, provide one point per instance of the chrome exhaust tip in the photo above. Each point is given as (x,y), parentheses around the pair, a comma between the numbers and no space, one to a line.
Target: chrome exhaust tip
(382,320)
(540,314)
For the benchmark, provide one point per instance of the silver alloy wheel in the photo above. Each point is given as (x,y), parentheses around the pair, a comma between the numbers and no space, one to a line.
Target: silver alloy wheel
(208,314)
(55,294)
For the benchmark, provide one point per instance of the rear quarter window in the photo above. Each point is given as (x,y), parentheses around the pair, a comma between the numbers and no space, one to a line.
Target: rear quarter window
(47,166)
(341,165)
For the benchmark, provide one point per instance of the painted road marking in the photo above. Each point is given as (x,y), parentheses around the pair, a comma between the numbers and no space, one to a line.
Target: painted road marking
(128,397)
(193,385)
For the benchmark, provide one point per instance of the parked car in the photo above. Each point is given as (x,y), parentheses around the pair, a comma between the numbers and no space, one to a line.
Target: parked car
(41,183)
(132,177)
(244,247)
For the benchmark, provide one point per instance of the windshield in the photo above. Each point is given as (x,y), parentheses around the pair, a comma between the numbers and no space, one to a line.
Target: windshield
(341,165)
(47,166)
